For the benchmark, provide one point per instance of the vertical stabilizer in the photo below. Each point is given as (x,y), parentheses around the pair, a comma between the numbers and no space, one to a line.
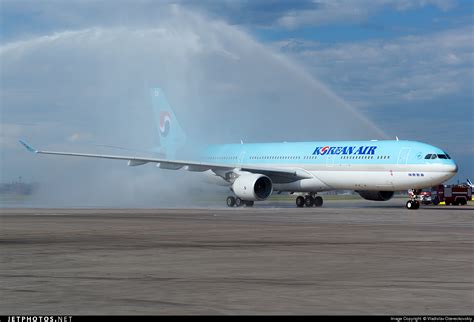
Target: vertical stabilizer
(469,183)
(170,133)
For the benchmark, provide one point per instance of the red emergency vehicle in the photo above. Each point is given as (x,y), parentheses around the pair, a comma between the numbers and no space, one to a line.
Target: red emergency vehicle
(451,194)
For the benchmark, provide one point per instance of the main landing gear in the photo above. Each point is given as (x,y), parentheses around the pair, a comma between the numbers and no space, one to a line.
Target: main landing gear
(413,203)
(237,202)
(309,201)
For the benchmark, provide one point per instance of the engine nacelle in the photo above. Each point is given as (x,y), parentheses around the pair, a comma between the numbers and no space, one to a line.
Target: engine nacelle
(252,187)
(376,195)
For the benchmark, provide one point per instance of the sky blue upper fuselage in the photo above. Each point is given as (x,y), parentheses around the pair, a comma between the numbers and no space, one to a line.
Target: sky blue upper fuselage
(342,152)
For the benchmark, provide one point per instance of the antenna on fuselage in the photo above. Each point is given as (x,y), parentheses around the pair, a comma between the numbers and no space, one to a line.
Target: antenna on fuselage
(396,137)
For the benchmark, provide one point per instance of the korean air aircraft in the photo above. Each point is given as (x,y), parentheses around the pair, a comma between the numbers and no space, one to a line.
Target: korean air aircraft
(375,169)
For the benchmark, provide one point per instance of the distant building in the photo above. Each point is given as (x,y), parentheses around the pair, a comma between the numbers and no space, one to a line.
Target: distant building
(18,188)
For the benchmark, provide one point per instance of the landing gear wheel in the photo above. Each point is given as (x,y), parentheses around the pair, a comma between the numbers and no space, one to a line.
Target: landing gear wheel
(230,201)
(238,202)
(249,203)
(412,204)
(299,201)
(318,201)
(309,201)
(417,204)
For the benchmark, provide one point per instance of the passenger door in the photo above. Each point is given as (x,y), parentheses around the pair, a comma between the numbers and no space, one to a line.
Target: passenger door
(403,156)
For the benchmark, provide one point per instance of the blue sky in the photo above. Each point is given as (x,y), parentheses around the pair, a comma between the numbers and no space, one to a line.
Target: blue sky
(387,23)
(374,69)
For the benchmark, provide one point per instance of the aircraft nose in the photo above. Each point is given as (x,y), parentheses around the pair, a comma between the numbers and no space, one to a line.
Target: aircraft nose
(454,167)
(448,170)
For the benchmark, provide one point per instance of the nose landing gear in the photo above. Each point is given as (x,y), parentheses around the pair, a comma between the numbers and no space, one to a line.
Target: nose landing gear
(413,203)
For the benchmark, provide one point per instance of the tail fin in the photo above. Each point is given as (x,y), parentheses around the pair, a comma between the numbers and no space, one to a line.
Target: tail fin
(170,133)
(470,183)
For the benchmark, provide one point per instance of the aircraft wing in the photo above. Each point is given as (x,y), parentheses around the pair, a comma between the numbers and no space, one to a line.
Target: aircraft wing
(277,175)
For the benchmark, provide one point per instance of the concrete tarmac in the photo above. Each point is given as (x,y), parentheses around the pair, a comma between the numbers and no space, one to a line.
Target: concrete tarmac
(349,257)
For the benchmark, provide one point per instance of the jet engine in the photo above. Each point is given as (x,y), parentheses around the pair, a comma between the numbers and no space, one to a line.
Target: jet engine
(376,195)
(252,187)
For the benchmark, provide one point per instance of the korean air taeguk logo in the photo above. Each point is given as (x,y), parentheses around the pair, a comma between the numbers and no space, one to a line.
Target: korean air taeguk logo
(345,150)
(165,122)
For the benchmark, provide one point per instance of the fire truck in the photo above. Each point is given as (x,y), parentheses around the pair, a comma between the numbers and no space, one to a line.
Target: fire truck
(423,196)
(451,194)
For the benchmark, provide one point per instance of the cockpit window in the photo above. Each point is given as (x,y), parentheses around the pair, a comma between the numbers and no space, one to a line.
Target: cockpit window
(437,156)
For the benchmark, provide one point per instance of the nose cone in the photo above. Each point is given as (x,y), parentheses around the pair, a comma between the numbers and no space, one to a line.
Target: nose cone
(449,170)
(453,167)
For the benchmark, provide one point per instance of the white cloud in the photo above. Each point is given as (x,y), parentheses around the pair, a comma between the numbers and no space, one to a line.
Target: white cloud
(345,11)
(51,16)
(376,72)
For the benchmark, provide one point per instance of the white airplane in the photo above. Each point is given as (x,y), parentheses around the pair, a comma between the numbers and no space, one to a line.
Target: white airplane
(469,183)
(375,169)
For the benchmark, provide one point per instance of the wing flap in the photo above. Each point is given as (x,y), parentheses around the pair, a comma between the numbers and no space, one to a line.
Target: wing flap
(135,163)
(198,168)
(170,166)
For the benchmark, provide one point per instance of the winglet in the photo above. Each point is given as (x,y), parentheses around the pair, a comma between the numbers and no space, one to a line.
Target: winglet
(28,147)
